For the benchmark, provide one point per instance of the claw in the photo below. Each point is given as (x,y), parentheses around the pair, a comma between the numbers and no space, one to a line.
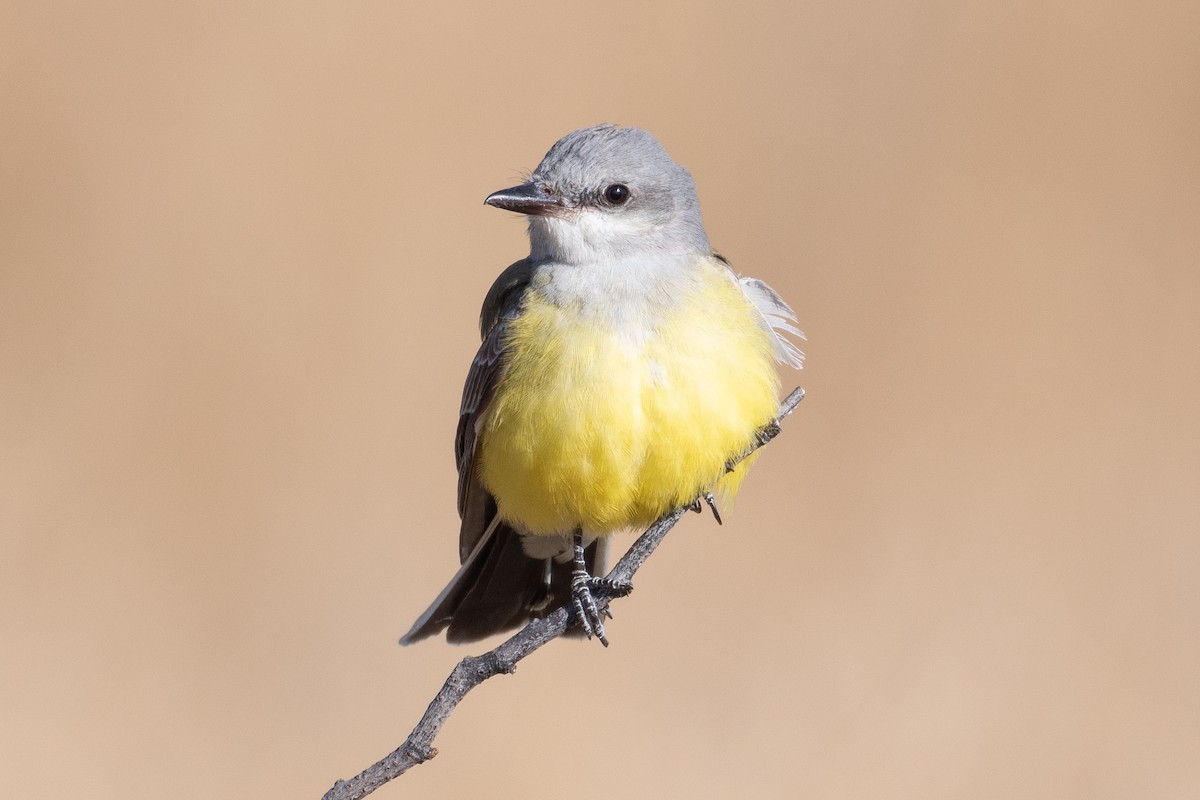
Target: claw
(712,504)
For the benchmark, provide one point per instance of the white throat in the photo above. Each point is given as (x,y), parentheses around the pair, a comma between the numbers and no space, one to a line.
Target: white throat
(586,236)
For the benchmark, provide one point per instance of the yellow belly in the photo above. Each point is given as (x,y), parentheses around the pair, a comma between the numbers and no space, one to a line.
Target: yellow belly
(605,426)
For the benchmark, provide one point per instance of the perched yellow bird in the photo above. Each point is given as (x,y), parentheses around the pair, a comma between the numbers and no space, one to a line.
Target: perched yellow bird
(623,365)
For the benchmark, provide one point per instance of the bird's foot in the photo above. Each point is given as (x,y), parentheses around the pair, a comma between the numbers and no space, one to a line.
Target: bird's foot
(583,601)
(708,498)
(712,504)
(763,435)
(585,589)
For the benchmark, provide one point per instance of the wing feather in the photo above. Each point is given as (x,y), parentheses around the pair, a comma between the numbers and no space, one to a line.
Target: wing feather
(504,301)
(777,316)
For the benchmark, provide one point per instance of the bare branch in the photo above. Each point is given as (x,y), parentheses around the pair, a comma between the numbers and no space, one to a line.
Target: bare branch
(474,670)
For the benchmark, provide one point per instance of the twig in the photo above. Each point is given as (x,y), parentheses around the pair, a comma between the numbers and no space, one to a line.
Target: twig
(474,670)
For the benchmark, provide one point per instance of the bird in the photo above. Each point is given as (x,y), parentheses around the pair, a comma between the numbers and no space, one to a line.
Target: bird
(624,368)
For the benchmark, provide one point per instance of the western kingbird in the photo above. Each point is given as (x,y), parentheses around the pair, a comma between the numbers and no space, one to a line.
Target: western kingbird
(623,365)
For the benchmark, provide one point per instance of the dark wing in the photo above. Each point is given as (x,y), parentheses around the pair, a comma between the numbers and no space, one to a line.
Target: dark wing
(497,585)
(502,305)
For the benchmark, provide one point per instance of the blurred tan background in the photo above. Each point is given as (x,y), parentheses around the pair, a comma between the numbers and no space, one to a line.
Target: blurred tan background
(242,250)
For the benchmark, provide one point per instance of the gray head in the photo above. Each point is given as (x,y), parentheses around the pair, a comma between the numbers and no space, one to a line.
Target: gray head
(608,192)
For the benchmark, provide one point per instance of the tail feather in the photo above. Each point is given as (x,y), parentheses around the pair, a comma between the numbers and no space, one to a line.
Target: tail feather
(499,588)
(502,595)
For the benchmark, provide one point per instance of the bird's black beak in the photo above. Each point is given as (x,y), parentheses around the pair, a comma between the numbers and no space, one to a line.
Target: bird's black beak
(530,198)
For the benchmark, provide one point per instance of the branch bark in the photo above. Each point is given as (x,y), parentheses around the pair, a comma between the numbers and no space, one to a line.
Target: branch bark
(474,670)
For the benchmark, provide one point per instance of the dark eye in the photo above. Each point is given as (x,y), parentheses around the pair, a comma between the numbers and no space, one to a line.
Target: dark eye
(616,194)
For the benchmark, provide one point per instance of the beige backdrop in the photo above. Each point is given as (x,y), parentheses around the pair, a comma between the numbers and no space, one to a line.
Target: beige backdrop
(242,248)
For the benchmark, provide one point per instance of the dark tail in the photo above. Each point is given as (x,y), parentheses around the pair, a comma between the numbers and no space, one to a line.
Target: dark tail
(499,588)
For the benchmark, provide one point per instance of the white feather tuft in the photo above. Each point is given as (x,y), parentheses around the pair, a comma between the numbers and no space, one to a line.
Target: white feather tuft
(778,318)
